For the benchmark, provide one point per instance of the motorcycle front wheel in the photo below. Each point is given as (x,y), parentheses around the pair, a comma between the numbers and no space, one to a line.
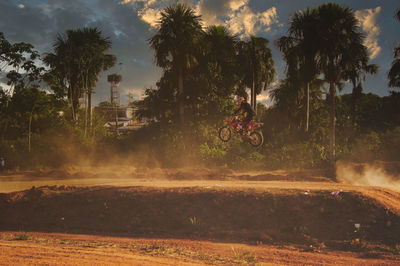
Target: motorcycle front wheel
(256,139)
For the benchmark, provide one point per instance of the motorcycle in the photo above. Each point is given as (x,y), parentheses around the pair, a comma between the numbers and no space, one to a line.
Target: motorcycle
(249,132)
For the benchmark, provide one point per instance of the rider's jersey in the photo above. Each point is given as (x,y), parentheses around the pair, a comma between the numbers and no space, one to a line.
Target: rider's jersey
(246,107)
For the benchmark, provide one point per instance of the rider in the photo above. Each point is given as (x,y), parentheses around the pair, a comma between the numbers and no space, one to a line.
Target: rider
(245,107)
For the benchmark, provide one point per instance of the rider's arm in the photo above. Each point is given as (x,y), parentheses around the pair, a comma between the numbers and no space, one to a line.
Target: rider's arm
(238,110)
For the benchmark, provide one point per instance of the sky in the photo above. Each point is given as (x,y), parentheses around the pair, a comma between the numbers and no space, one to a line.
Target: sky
(130,23)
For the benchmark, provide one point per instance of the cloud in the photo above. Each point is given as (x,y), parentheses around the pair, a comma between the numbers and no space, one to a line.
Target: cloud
(236,15)
(147,11)
(135,93)
(21,6)
(237,4)
(39,22)
(265,98)
(367,18)
(150,15)
(247,22)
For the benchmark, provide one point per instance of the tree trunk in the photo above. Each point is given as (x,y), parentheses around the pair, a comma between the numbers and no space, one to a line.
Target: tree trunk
(353,110)
(90,109)
(253,93)
(356,93)
(116,119)
(308,106)
(86,103)
(181,100)
(71,98)
(75,105)
(86,116)
(332,94)
(30,131)
(4,132)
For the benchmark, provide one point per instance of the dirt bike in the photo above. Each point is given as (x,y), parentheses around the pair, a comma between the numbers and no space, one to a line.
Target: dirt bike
(235,125)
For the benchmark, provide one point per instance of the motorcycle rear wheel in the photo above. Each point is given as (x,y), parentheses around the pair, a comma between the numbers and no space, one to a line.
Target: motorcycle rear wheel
(225,133)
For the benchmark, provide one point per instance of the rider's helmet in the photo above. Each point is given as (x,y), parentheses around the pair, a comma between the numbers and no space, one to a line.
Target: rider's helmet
(240,100)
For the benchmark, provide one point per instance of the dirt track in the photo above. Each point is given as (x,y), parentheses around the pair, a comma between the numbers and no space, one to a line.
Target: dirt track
(265,217)
(61,249)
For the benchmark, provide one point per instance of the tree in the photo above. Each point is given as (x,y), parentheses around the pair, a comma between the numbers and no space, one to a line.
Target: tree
(339,44)
(255,65)
(94,59)
(216,72)
(357,74)
(211,81)
(79,56)
(18,60)
(394,72)
(300,52)
(30,104)
(175,44)
(288,101)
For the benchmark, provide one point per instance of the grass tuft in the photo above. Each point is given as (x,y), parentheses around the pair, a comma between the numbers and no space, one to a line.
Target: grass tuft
(22,236)
(244,256)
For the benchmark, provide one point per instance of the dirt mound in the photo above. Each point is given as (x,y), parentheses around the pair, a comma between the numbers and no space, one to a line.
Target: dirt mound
(124,171)
(339,219)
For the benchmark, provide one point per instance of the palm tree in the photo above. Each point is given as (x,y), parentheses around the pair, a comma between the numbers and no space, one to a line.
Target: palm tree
(92,49)
(256,66)
(175,44)
(300,51)
(288,101)
(218,67)
(61,76)
(357,74)
(79,56)
(339,44)
(219,49)
(394,72)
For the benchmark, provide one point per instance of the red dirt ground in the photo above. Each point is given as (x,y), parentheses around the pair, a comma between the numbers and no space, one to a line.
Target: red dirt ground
(221,217)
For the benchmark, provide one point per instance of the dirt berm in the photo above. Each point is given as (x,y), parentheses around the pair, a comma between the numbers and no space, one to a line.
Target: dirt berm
(336,219)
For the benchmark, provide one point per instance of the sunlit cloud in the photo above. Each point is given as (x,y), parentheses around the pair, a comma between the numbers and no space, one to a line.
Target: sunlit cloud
(150,15)
(237,4)
(134,94)
(21,6)
(236,15)
(248,22)
(368,18)
(265,98)
(148,11)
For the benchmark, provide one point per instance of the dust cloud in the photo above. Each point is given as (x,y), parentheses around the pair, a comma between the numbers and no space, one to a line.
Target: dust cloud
(369,174)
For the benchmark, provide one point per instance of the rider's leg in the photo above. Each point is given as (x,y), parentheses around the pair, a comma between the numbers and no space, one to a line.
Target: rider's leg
(248,119)
(244,125)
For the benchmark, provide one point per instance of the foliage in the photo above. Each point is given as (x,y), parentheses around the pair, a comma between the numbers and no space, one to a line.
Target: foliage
(39,128)
(394,72)
(327,40)
(22,236)
(195,222)
(18,60)
(79,56)
(175,45)
(203,69)
(255,67)
(244,256)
